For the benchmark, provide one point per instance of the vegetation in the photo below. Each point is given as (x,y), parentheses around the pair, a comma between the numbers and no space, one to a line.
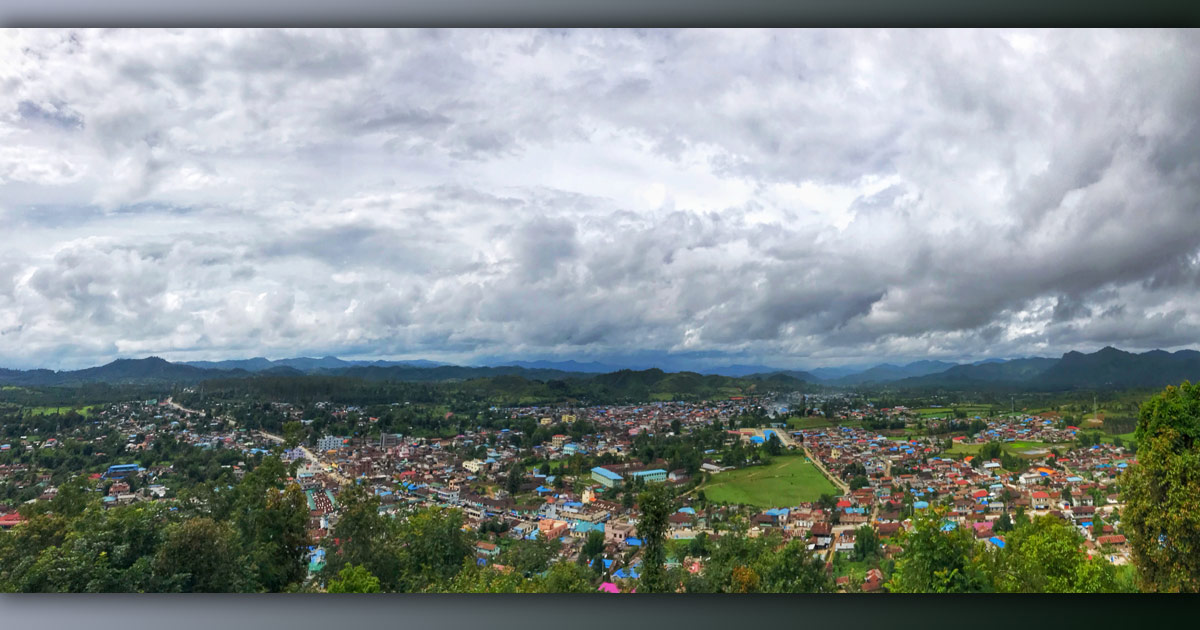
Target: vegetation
(787,480)
(1162,492)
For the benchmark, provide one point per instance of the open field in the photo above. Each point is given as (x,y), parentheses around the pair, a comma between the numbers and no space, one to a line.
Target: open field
(554,465)
(787,480)
(1018,448)
(45,411)
(808,423)
(946,412)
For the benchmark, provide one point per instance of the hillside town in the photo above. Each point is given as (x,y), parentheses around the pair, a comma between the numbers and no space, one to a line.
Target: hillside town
(572,484)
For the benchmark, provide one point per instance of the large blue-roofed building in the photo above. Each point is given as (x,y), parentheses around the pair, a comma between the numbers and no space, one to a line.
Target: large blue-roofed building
(606,477)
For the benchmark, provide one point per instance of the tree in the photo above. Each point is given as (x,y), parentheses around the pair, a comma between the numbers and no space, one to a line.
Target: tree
(200,555)
(354,579)
(859,481)
(513,483)
(794,570)
(364,538)
(1045,557)
(291,433)
(1161,515)
(1003,524)
(937,561)
(774,446)
(430,547)
(529,557)
(566,577)
(866,543)
(652,528)
(593,545)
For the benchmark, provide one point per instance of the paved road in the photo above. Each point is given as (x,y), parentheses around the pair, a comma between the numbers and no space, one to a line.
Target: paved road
(329,470)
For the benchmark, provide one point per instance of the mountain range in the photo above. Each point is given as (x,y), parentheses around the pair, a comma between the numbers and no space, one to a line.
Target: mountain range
(1106,368)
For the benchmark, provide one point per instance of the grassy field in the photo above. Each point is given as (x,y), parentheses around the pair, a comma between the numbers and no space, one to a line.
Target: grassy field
(787,480)
(1017,448)
(808,423)
(947,412)
(45,411)
(554,465)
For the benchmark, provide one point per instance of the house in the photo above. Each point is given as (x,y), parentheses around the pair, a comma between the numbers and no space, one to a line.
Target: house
(487,549)
(615,533)
(1040,500)
(873,581)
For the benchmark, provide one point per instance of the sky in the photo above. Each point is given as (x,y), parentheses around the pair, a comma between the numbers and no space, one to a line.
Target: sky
(790,198)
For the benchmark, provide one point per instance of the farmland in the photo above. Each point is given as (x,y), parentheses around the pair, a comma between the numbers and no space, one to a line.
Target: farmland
(786,481)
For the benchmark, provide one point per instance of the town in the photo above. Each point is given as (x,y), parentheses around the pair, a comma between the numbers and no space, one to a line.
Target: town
(846,485)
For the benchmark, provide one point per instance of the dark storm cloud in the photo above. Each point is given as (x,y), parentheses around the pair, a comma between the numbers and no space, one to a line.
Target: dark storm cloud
(782,197)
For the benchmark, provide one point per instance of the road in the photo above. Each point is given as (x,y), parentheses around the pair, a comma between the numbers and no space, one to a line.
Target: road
(837,482)
(329,470)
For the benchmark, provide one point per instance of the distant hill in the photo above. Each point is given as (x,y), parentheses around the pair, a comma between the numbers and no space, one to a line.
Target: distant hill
(993,373)
(741,370)
(886,372)
(829,374)
(590,367)
(303,364)
(148,370)
(1108,368)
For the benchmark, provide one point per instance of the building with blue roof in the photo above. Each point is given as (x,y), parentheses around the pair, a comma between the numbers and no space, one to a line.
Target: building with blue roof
(657,475)
(606,477)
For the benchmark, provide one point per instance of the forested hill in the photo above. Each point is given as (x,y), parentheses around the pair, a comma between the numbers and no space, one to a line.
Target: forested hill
(1108,368)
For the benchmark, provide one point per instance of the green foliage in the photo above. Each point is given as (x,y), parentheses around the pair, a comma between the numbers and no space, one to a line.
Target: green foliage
(655,507)
(1162,492)
(530,557)
(866,543)
(201,555)
(352,579)
(936,561)
(1046,557)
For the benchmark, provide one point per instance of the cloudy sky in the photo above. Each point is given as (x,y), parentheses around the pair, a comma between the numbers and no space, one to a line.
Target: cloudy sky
(789,198)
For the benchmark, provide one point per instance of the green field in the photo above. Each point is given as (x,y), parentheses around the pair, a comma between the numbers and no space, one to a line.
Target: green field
(945,412)
(1012,448)
(787,480)
(811,422)
(45,411)
(554,465)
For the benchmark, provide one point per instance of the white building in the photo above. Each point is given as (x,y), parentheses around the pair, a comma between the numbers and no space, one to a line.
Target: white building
(329,443)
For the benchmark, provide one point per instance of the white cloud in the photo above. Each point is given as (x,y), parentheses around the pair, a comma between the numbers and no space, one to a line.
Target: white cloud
(792,197)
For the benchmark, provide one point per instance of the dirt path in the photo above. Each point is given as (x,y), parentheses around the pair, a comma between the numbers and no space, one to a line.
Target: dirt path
(821,467)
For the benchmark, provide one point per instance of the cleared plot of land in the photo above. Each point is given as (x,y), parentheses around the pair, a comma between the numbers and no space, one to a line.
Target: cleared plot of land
(808,423)
(45,411)
(1020,448)
(786,481)
(946,412)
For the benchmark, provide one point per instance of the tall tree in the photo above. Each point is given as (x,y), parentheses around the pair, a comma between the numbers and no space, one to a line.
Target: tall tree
(652,525)
(201,555)
(937,559)
(1162,492)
